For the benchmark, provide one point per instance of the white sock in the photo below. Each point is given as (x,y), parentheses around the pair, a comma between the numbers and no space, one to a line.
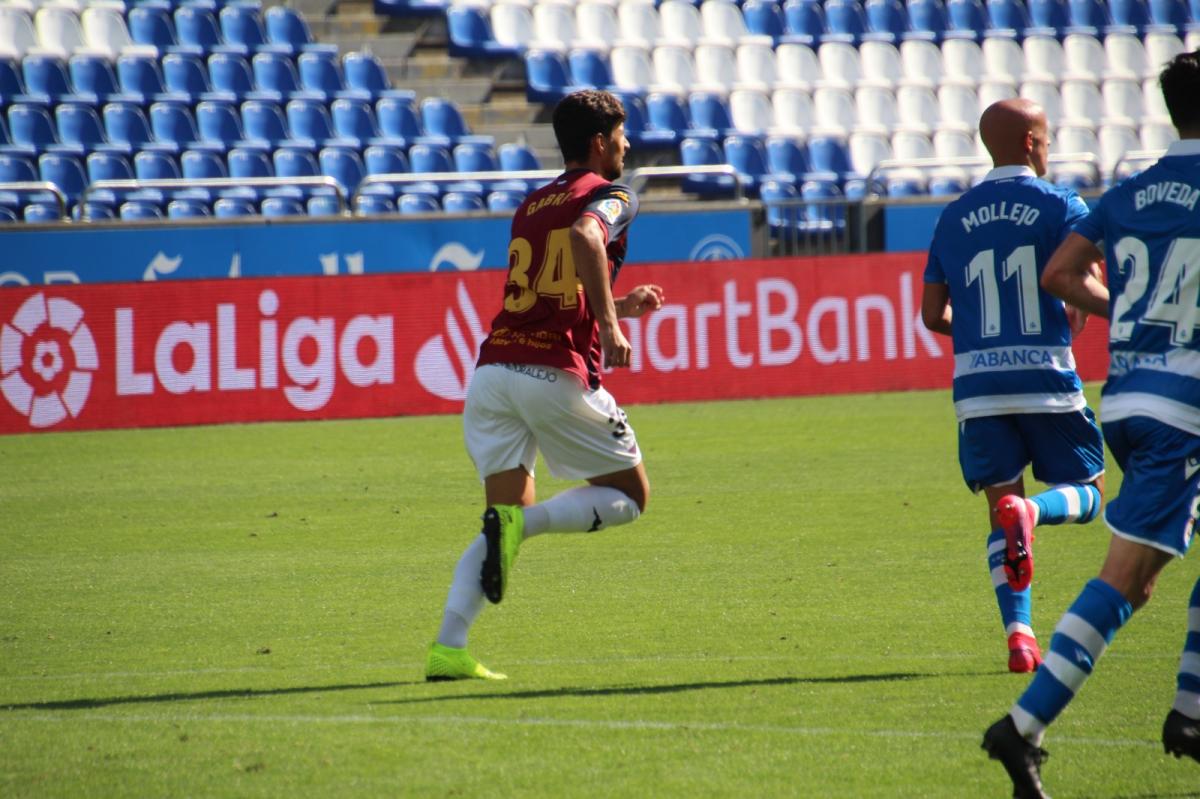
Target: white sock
(465,599)
(583,509)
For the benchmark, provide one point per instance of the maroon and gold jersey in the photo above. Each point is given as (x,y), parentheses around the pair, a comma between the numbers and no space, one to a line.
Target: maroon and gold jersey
(546,320)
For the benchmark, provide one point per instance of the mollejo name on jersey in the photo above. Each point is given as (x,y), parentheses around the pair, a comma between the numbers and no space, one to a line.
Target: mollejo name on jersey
(1017,213)
(1171,191)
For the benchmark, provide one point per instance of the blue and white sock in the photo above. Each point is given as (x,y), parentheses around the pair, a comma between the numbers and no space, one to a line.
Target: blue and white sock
(1080,638)
(1014,605)
(1069,502)
(1187,694)
(583,509)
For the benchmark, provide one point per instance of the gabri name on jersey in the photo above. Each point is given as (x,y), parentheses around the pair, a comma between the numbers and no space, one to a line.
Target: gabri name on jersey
(1017,213)
(1171,191)
(550,199)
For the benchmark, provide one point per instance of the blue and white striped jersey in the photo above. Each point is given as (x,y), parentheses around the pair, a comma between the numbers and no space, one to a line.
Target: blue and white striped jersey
(1012,341)
(1150,228)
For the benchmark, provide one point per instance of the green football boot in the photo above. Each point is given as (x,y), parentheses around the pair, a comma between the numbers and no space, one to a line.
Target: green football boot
(447,663)
(504,529)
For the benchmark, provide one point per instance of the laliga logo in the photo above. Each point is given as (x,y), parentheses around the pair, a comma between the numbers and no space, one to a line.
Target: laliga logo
(47,355)
(438,372)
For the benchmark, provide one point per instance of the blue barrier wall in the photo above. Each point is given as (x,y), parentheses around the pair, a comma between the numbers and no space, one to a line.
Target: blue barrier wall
(125,252)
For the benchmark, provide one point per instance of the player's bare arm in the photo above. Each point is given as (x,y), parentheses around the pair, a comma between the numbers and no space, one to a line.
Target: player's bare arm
(935,308)
(640,301)
(1072,276)
(591,267)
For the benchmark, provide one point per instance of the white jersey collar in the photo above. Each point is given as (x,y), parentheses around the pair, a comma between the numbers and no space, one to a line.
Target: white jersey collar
(1183,147)
(1012,171)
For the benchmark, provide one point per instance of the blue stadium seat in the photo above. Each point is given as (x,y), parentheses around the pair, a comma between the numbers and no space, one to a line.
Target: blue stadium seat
(292,163)
(1008,15)
(152,25)
(747,155)
(589,69)
(355,120)
(709,113)
(398,119)
(637,128)
(93,211)
(805,22)
(37,212)
(200,164)
(244,162)
(196,28)
(380,159)
(309,120)
(470,33)
(64,171)
(765,18)
(155,165)
(787,159)
(11,82)
(232,208)
(441,118)
(907,186)
(187,209)
(666,116)
(92,76)
(30,125)
(926,18)
(8,215)
(274,72)
(887,20)
(139,210)
(781,201)
(828,154)
(504,200)
(264,122)
(845,21)
(418,204)
(825,215)
(516,157)
(322,205)
(80,125)
(966,19)
(321,74)
(364,72)
(1130,13)
(1089,16)
(946,185)
(475,157)
(704,152)
(140,78)
(1046,16)
(274,207)
(287,27)
(186,74)
(173,122)
(462,202)
(343,165)
(374,204)
(241,26)
(46,78)
(229,72)
(1166,14)
(16,169)
(426,157)
(547,80)
(219,122)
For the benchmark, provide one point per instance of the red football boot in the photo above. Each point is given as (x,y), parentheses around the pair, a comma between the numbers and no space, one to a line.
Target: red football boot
(1023,653)
(1017,523)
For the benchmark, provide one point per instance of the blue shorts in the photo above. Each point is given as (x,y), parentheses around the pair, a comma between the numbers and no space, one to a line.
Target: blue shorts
(1063,448)
(1159,500)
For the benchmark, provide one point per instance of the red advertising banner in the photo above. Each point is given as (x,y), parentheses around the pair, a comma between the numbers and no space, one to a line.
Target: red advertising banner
(175,353)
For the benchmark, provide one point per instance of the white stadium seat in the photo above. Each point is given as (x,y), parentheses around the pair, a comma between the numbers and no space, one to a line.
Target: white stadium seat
(834,107)
(716,65)
(1122,99)
(638,23)
(840,63)
(1003,58)
(1160,47)
(674,69)
(553,26)
(867,148)
(953,141)
(756,65)
(1080,100)
(596,24)
(922,61)
(679,23)
(631,67)
(58,31)
(1156,134)
(917,105)
(875,104)
(1083,55)
(880,61)
(1043,57)
(512,24)
(1116,139)
(993,89)
(1125,54)
(797,64)
(1046,94)
(962,59)
(751,110)
(958,104)
(104,30)
(17,34)
(909,145)
(794,110)
(722,21)
(1152,98)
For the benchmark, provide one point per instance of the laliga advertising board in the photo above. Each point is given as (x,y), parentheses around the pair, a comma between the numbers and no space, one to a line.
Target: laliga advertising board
(77,357)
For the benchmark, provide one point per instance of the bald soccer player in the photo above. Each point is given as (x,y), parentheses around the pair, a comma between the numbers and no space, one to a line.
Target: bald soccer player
(1016,394)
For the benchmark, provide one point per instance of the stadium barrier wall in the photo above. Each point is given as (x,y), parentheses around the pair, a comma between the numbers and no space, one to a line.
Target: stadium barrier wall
(183,250)
(77,357)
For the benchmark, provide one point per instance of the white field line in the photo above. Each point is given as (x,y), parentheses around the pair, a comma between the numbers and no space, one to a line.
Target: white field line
(635,725)
(404,667)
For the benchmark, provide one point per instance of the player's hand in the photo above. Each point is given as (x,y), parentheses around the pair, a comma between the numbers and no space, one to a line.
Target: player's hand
(1076,318)
(642,300)
(615,347)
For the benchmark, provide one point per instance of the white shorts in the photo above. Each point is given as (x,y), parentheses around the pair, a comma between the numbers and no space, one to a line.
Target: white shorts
(514,410)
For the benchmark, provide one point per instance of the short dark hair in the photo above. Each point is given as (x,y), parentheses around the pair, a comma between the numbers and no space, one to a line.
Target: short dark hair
(581,115)
(1180,84)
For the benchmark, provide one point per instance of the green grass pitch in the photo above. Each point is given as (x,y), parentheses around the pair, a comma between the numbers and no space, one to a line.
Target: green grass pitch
(803,611)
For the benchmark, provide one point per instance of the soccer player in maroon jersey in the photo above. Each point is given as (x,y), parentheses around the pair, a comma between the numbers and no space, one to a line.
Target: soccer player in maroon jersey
(537,386)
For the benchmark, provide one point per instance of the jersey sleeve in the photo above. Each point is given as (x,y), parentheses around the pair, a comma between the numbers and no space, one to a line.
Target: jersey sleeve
(614,207)
(934,273)
(1077,210)
(1091,227)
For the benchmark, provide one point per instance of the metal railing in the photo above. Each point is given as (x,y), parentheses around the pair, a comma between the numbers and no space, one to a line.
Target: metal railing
(638,178)
(180,184)
(438,178)
(32,186)
(1131,157)
(926,165)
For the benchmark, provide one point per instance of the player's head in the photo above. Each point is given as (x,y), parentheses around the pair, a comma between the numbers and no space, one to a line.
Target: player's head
(590,128)
(1180,83)
(1015,133)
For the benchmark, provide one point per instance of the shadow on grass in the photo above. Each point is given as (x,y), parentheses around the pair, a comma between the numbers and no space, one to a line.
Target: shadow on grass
(233,693)
(642,690)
